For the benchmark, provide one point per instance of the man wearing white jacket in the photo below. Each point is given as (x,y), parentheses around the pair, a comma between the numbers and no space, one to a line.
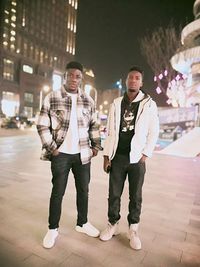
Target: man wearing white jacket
(132,132)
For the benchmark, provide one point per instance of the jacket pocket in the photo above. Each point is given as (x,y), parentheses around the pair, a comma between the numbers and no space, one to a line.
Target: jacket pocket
(86,115)
(57,118)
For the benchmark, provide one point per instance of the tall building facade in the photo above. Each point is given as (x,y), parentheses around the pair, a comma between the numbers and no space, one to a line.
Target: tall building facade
(187,59)
(37,39)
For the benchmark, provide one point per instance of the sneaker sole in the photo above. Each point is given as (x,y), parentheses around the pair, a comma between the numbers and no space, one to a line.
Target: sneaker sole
(48,247)
(80,230)
(128,236)
(109,238)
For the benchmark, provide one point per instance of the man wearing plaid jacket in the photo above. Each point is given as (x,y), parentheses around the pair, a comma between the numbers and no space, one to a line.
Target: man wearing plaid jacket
(70,138)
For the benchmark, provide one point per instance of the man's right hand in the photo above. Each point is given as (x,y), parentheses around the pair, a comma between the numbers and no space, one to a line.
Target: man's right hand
(55,152)
(106,164)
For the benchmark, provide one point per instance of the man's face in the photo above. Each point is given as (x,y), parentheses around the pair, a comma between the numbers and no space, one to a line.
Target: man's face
(73,78)
(134,81)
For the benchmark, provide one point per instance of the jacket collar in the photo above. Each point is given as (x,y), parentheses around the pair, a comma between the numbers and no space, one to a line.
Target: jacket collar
(140,96)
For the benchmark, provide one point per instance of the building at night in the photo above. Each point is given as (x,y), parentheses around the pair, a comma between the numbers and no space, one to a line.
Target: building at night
(187,59)
(37,39)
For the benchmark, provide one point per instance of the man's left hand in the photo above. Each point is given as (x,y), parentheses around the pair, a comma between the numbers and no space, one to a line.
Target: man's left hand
(143,158)
(95,152)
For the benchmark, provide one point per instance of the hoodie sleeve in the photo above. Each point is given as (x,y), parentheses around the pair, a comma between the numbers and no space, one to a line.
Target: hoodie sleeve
(153,130)
(110,132)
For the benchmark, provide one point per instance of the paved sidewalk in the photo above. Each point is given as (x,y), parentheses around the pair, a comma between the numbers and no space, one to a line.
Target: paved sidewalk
(16,132)
(170,220)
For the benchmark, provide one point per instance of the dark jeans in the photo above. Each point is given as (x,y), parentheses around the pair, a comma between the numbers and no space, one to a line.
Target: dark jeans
(60,167)
(120,168)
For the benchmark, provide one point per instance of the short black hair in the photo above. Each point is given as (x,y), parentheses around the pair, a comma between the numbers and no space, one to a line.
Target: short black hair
(138,69)
(74,65)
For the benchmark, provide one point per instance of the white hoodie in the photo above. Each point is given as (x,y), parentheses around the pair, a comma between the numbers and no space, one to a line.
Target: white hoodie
(146,128)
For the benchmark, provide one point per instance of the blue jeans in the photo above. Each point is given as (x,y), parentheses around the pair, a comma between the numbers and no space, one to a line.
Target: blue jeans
(60,167)
(120,168)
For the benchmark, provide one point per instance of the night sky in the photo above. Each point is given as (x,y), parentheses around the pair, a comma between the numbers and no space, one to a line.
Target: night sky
(109,33)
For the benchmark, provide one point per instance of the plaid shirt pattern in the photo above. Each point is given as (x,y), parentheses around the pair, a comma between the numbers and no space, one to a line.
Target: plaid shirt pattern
(53,123)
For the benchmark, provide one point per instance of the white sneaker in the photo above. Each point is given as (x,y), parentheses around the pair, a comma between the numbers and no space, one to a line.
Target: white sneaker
(135,242)
(88,229)
(50,238)
(109,232)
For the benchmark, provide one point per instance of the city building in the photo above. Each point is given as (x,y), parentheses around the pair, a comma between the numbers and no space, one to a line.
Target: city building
(37,39)
(105,98)
(89,84)
(187,59)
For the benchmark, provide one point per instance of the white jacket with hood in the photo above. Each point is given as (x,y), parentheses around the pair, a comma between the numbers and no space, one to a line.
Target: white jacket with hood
(146,128)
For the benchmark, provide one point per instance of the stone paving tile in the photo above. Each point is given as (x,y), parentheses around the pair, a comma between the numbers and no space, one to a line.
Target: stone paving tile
(75,260)
(195,223)
(194,239)
(12,252)
(186,247)
(162,258)
(181,226)
(190,260)
(34,261)
(169,226)
(196,212)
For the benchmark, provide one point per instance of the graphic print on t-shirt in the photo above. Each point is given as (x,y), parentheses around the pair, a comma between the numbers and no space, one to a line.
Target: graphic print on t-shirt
(128,121)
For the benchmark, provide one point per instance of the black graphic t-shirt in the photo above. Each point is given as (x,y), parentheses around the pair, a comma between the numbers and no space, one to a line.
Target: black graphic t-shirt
(127,124)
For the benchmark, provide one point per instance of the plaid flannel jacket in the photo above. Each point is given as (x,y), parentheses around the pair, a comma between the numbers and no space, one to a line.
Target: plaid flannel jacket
(53,123)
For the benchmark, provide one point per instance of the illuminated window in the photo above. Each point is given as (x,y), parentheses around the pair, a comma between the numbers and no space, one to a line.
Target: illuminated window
(23,18)
(13,18)
(74,28)
(8,69)
(5,44)
(76,4)
(28,69)
(18,45)
(69,18)
(28,97)
(23,22)
(12,38)
(12,47)
(28,111)
(41,56)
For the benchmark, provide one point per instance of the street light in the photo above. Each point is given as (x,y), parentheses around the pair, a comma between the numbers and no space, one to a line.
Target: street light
(45,89)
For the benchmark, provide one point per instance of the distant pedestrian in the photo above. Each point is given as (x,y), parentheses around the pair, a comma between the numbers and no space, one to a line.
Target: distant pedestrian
(70,138)
(132,133)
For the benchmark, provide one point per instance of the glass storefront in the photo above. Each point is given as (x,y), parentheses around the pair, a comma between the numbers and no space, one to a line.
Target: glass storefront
(10,103)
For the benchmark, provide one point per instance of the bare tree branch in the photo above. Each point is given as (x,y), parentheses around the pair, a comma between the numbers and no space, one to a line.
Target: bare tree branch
(158,48)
